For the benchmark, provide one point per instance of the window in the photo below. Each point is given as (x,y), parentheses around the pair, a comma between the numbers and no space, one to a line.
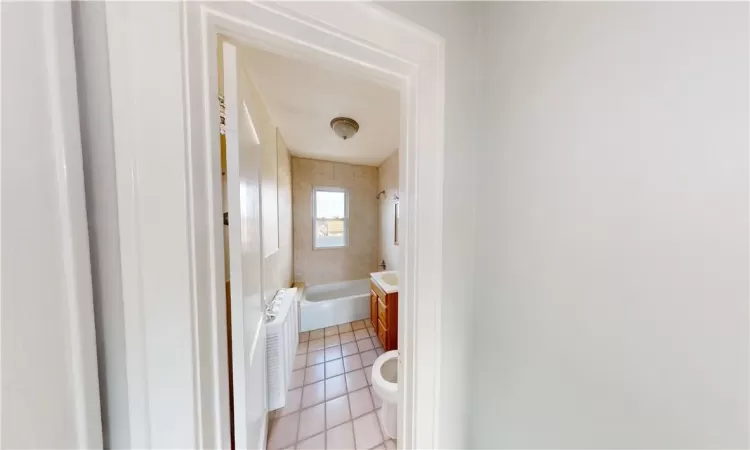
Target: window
(330,217)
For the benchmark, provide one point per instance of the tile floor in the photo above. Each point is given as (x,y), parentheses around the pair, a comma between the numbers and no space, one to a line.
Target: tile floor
(331,404)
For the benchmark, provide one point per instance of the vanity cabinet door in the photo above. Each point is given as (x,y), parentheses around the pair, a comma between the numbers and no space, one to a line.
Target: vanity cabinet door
(374,309)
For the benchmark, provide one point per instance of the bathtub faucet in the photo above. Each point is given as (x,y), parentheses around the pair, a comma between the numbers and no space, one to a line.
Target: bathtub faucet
(382,266)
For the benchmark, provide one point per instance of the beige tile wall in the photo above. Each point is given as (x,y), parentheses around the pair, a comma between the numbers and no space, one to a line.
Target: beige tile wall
(331,265)
(388,181)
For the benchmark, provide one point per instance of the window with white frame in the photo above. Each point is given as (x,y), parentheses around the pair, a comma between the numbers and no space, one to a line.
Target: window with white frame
(330,217)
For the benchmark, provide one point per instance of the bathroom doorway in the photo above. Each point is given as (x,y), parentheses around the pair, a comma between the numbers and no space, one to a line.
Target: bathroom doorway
(417,261)
(180,54)
(330,172)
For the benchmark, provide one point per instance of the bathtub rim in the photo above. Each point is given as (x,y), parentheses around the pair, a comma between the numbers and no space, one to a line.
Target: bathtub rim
(351,313)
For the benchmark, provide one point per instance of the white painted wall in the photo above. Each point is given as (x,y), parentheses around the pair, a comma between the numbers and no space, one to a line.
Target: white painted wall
(611,265)
(457,22)
(49,392)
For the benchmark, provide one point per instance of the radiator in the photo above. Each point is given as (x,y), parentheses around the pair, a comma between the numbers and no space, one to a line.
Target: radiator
(282,338)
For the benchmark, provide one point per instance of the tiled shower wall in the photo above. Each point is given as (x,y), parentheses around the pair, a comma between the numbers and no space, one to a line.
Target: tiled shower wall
(359,258)
(388,175)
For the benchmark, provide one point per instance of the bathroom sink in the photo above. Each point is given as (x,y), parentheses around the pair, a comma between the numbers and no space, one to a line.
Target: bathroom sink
(388,281)
(390,278)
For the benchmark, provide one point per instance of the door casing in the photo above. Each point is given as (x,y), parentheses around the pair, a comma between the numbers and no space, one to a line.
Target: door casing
(166,141)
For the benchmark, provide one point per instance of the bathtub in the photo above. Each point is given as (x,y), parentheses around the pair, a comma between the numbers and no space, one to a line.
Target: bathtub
(324,305)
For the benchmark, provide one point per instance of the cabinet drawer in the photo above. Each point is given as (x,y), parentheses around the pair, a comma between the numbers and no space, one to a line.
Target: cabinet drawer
(373,309)
(376,289)
(381,311)
(382,331)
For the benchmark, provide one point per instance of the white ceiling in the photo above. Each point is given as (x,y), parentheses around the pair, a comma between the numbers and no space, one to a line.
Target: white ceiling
(302,98)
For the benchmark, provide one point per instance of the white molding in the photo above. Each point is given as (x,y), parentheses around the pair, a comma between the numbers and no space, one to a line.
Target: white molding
(50,389)
(164,86)
(150,145)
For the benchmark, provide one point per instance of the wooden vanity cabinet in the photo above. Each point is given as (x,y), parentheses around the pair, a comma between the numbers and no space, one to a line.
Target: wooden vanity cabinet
(384,316)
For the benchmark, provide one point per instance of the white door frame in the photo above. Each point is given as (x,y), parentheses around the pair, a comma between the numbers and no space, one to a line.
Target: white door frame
(365,39)
(165,133)
(50,389)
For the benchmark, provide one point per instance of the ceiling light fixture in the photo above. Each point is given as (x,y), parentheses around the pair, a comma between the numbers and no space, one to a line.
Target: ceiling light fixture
(344,127)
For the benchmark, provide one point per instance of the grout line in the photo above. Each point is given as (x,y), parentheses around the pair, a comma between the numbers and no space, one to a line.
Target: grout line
(380,428)
(325,409)
(346,392)
(377,417)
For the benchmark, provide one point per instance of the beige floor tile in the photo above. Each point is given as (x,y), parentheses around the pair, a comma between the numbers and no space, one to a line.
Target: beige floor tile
(365,344)
(317,334)
(283,432)
(298,378)
(335,387)
(347,337)
(333,353)
(317,442)
(361,334)
(332,340)
(331,331)
(375,398)
(315,358)
(345,327)
(304,336)
(367,432)
(371,331)
(379,351)
(360,402)
(368,375)
(368,357)
(302,348)
(337,411)
(313,374)
(315,344)
(390,444)
(335,367)
(355,380)
(299,362)
(341,437)
(376,342)
(313,394)
(349,349)
(358,324)
(293,402)
(312,421)
(352,362)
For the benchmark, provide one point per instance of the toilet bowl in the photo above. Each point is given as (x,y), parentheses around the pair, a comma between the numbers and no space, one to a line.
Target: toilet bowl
(385,385)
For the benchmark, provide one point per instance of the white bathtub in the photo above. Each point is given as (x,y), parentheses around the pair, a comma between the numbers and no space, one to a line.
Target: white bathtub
(330,304)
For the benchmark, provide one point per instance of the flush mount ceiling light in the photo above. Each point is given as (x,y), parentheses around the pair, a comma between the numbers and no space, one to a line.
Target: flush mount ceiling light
(344,127)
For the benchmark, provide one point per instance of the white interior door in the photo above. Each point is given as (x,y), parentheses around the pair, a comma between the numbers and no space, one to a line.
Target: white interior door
(243,195)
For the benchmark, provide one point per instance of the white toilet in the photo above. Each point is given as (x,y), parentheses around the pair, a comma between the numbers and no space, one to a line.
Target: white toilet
(385,384)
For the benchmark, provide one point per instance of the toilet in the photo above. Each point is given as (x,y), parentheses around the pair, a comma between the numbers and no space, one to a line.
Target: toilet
(385,384)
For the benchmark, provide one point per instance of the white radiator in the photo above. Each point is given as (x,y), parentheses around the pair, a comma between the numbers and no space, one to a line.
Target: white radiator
(282,337)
